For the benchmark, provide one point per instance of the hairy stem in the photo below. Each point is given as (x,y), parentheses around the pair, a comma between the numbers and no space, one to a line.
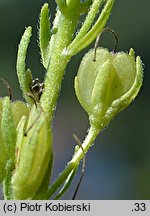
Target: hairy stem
(57,64)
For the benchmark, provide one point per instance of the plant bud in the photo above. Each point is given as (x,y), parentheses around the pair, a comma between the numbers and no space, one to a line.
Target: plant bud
(33,154)
(107,85)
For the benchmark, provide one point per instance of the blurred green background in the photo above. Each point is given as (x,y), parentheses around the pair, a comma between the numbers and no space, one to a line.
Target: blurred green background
(118,165)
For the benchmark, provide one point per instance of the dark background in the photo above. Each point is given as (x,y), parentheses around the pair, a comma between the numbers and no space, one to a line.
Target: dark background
(118,165)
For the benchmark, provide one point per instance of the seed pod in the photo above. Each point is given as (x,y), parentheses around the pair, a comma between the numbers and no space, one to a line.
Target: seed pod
(34,152)
(8,128)
(10,114)
(3,152)
(19,109)
(41,193)
(108,85)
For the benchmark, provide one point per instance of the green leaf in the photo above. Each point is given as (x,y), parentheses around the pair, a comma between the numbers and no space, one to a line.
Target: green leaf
(69,8)
(88,38)
(85,5)
(87,23)
(66,184)
(44,34)
(21,64)
(62,5)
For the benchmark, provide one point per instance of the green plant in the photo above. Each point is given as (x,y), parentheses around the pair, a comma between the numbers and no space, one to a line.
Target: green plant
(104,86)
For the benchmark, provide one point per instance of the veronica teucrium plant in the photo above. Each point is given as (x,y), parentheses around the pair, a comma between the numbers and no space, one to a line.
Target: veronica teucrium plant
(104,85)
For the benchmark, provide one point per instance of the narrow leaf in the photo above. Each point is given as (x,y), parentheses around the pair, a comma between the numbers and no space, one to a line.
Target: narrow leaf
(44,33)
(66,184)
(87,23)
(92,34)
(21,64)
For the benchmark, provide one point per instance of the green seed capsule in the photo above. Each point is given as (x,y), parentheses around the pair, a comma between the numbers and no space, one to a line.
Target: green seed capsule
(8,128)
(3,152)
(10,115)
(106,86)
(33,154)
(19,109)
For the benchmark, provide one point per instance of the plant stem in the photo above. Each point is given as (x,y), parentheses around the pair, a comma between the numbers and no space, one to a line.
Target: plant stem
(58,63)
(78,156)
